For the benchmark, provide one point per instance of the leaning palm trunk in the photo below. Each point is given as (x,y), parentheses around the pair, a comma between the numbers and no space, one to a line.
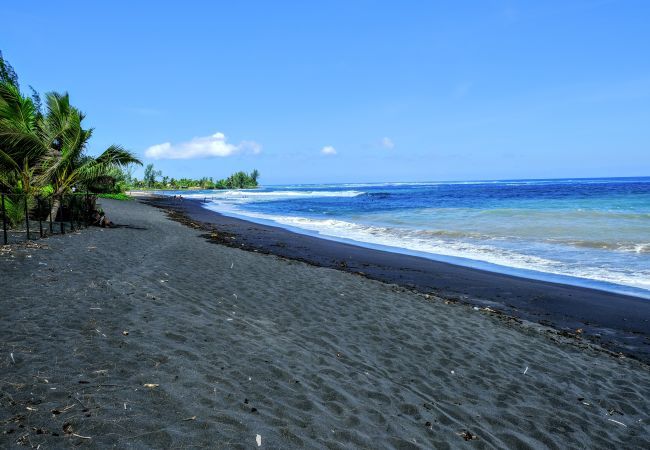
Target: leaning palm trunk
(56,204)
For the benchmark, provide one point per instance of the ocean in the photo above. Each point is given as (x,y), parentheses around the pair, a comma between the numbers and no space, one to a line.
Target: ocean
(588,232)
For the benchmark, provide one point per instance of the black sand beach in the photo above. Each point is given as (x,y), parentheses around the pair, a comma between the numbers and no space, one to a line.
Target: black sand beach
(617,322)
(147,336)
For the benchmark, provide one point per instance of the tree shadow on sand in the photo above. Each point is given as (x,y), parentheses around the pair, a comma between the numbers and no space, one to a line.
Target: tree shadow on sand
(130,227)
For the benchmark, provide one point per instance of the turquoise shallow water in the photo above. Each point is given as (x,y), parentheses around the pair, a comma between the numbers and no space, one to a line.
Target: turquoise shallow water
(593,232)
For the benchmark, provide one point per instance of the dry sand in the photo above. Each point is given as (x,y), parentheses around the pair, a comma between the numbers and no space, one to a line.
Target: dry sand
(146,336)
(620,323)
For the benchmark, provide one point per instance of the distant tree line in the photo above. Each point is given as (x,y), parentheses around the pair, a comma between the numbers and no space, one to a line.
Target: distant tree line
(154,179)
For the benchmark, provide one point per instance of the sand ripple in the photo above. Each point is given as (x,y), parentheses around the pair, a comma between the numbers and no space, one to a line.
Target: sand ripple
(241,344)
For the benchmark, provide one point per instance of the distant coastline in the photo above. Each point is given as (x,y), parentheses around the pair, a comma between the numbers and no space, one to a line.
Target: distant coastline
(587,232)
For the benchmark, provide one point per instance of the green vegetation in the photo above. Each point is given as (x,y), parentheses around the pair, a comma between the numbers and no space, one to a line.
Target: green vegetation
(150,175)
(154,179)
(43,149)
(15,211)
(118,196)
(43,155)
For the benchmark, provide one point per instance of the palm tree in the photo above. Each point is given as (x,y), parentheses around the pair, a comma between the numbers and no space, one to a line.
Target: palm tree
(65,163)
(49,150)
(255,174)
(20,144)
(19,150)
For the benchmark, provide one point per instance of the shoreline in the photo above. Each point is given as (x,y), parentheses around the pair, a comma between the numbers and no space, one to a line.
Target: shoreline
(146,336)
(618,322)
(462,261)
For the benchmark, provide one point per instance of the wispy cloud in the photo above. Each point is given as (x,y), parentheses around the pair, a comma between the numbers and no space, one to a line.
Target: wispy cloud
(388,143)
(328,150)
(215,145)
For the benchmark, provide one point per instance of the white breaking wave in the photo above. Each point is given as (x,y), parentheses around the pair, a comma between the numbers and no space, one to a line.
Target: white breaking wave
(424,242)
(244,195)
(456,183)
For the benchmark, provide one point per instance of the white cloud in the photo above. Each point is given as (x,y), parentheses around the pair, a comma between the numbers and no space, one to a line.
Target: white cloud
(202,147)
(387,143)
(328,150)
(250,147)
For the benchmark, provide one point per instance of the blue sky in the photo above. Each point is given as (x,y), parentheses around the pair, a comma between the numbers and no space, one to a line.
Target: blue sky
(351,91)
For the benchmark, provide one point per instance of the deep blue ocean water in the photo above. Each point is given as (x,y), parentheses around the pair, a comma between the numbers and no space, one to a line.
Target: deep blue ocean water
(593,232)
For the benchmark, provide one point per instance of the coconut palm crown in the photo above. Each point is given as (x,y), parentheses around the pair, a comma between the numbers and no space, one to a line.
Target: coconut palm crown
(48,150)
(20,146)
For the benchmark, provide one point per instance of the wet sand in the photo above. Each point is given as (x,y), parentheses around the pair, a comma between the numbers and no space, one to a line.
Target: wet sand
(148,336)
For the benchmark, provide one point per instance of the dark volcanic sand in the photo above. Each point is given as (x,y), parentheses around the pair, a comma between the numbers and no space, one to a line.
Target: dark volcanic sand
(237,344)
(618,322)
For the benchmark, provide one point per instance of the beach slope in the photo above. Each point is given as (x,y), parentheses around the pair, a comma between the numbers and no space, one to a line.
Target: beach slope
(147,336)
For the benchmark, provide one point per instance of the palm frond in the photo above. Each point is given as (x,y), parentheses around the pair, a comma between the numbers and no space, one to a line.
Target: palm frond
(8,162)
(19,144)
(19,110)
(93,170)
(49,149)
(117,155)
